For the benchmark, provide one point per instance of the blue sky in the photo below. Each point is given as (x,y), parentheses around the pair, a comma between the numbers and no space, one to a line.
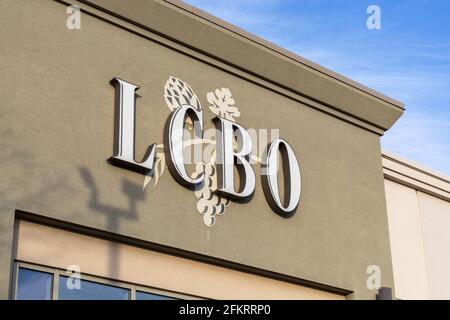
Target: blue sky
(408,59)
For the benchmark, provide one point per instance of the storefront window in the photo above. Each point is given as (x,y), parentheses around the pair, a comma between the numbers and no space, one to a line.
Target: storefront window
(37,283)
(89,290)
(34,285)
(140,295)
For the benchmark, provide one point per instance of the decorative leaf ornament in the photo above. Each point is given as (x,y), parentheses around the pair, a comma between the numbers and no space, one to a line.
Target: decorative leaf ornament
(176,94)
(159,168)
(222,104)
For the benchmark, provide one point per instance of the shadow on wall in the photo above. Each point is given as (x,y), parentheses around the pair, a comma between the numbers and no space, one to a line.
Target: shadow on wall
(113,215)
(19,188)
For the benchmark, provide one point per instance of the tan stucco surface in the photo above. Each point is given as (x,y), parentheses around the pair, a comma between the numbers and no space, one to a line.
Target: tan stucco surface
(56,248)
(210,35)
(57,116)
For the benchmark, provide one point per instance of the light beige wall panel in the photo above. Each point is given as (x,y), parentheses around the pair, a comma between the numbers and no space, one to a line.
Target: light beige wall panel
(407,248)
(435,219)
(58,248)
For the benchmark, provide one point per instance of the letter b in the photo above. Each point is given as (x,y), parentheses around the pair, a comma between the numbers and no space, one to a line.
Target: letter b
(227,158)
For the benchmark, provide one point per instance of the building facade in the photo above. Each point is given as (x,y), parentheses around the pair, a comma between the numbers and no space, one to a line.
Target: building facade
(101,197)
(418,205)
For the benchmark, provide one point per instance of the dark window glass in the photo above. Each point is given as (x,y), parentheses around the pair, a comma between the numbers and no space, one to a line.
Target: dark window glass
(151,296)
(90,290)
(34,285)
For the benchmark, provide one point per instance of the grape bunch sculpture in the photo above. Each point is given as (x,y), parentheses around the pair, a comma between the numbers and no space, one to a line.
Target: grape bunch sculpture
(221,102)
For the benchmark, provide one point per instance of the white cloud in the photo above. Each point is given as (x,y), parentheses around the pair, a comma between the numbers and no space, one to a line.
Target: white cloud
(422,138)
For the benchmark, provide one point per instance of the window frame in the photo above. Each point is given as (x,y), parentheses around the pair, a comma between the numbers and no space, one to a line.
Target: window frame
(56,273)
(38,268)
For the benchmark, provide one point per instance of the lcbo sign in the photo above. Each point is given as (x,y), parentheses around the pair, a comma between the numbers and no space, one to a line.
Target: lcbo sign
(213,181)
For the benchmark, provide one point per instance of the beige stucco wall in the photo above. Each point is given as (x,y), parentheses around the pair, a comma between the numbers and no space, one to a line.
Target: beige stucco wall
(57,248)
(418,204)
(56,120)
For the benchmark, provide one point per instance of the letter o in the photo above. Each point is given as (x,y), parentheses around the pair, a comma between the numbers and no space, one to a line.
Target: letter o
(292,178)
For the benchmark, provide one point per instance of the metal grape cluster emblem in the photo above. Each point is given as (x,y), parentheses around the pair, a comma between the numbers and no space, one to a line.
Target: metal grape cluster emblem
(221,102)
